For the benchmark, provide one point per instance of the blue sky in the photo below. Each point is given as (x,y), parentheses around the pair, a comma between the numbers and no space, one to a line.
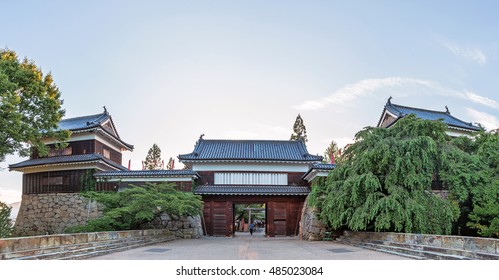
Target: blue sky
(168,71)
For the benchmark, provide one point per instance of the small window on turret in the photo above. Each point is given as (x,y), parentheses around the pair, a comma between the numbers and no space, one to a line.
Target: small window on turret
(54,152)
(106,153)
(51,181)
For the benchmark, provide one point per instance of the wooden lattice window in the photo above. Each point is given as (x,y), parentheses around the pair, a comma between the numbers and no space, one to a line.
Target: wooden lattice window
(54,152)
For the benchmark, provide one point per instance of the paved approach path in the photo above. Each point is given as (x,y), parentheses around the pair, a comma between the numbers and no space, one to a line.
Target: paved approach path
(245,247)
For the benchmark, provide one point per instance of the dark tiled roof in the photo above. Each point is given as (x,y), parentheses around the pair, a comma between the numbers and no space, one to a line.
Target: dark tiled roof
(447,118)
(324,166)
(64,160)
(319,167)
(146,173)
(260,150)
(90,122)
(251,190)
(84,122)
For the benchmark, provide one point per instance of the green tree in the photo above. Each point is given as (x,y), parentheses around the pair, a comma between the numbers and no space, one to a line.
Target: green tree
(5,221)
(299,130)
(332,150)
(30,106)
(484,197)
(137,207)
(384,180)
(153,159)
(171,164)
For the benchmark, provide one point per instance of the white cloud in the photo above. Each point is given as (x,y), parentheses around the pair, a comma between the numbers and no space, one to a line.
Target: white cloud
(488,121)
(467,53)
(351,92)
(481,100)
(311,105)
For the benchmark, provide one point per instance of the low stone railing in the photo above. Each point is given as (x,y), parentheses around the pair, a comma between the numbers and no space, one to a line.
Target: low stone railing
(466,243)
(16,244)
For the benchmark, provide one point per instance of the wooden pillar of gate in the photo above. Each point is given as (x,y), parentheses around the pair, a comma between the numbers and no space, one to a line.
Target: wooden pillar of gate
(270,219)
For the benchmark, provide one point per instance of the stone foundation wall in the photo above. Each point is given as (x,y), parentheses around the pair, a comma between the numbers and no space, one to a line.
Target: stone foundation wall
(41,214)
(181,227)
(311,228)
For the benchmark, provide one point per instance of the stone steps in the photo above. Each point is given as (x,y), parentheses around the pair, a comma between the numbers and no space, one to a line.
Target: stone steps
(414,253)
(52,249)
(445,251)
(89,254)
(397,253)
(419,251)
(84,250)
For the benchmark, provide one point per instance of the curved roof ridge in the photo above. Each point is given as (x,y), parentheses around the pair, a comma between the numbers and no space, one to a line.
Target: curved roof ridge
(446,116)
(420,109)
(250,140)
(237,149)
(81,117)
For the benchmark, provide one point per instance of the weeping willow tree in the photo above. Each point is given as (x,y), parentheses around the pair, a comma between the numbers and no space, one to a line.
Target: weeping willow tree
(384,181)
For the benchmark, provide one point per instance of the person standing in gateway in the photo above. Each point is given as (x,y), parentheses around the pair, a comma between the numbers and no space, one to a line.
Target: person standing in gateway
(251,226)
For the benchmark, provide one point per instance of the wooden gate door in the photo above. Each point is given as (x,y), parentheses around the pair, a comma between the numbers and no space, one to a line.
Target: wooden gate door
(280,218)
(218,218)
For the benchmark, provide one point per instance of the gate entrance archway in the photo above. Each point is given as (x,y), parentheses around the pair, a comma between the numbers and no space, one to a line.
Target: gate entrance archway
(282,214)
(250,213)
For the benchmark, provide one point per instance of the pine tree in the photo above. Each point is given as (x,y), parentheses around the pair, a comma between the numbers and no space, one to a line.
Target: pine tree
(299,130)
(171,164)
(153,159)
(331,154)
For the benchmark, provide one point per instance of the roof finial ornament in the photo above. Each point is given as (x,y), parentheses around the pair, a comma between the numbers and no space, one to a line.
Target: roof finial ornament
(447,110)
(389,102)
(197,142)
(105,110)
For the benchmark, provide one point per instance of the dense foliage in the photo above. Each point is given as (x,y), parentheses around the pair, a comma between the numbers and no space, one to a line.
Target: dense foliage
(299,130)
(30,106)
(483,195)
(384,180)
(137,207)
(153,159)
(5,221)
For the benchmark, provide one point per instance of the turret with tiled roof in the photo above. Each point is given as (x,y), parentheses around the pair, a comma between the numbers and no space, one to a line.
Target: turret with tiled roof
(393,112)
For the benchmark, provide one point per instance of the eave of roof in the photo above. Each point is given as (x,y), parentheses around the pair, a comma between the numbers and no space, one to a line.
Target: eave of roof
(319,167)
(251,190)
(146,174)
(65,160)
(247,161)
